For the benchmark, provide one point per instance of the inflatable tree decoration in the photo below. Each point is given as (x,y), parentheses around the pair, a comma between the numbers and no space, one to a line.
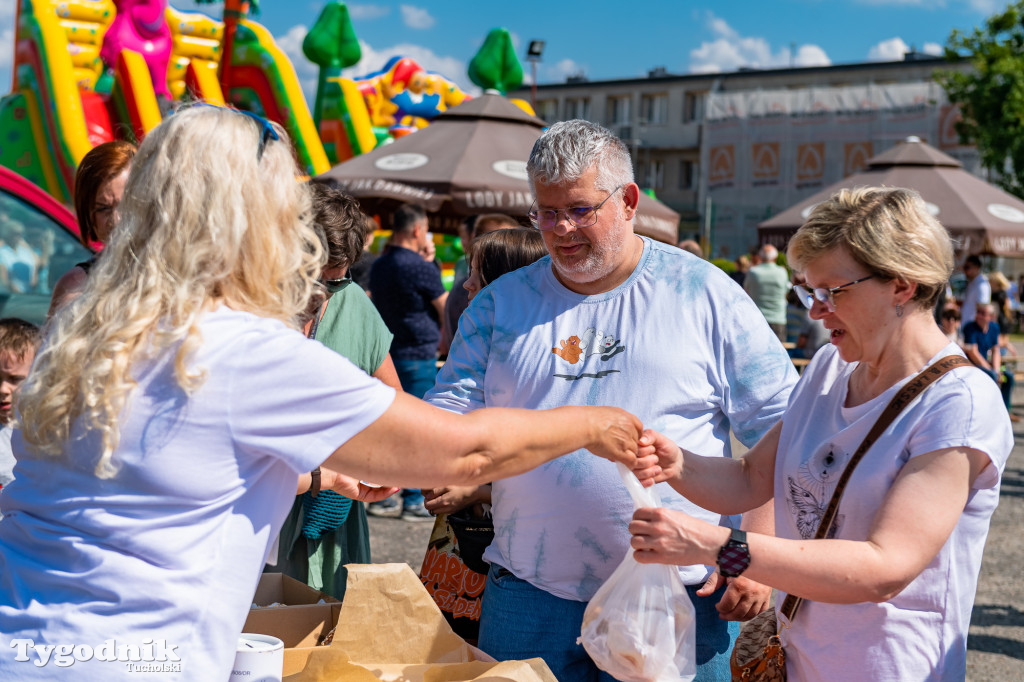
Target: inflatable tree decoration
(332,45)
(495,66)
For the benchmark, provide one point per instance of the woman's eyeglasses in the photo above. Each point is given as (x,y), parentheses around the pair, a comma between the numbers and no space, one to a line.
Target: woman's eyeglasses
(267,131)
(578,216)
(826,296)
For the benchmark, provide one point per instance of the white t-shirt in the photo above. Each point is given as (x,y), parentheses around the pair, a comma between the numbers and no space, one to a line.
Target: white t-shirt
(679,344)
(6,456)
(922,632)
(171,548)
(978,291)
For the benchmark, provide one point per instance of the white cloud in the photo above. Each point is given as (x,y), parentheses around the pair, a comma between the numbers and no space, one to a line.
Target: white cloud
(561,70)
(891,50)
(987,6)
(729,51)
(416,17)
(368,11)
(933,49)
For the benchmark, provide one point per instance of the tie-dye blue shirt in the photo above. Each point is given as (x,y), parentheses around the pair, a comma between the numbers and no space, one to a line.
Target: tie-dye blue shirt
(678,343)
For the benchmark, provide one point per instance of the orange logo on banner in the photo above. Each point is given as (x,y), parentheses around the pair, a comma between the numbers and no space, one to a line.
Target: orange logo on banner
(765,157)
(855,156)
(810,161)
(723,164)
(949,116)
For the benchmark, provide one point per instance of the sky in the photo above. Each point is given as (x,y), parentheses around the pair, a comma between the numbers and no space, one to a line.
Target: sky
(610,39)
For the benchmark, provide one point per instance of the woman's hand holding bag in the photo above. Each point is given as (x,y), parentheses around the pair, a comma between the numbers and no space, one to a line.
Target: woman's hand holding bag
(640,625)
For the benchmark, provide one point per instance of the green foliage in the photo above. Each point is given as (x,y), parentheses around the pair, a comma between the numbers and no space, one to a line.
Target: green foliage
(724,264)
(495,66)
(332,42)
(991,96)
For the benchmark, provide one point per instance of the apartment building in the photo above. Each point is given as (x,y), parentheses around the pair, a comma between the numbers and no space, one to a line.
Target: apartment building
(728,150)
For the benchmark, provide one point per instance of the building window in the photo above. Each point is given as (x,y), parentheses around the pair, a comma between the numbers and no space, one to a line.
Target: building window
(577,107)
(687,174)
(693,106)
(654,109)
(619,110)
(547,110)
(653,174)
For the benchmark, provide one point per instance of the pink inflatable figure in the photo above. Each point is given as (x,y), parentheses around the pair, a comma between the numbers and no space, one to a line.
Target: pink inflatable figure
(140,25)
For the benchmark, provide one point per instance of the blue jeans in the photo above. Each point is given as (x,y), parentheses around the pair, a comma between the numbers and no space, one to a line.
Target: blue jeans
(521,621)
(417,377)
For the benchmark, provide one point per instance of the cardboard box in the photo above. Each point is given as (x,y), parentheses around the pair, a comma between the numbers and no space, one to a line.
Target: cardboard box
(296,626)
(277,588)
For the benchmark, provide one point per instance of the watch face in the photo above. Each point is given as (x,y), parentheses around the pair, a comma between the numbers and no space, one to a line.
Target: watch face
(733,558)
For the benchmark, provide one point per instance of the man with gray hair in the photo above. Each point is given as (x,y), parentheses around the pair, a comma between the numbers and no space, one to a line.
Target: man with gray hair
(607,318)
(768,283)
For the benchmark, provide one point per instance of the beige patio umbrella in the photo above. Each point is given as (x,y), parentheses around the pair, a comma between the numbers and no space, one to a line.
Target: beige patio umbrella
(470,160)
(982,218)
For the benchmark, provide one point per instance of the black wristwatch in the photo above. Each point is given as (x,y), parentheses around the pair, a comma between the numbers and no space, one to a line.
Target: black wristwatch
(314,483)
(734,557)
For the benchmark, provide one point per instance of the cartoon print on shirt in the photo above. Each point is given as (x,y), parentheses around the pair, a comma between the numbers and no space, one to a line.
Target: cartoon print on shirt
(819,473)
(812,489)
(570,350)
(593,342)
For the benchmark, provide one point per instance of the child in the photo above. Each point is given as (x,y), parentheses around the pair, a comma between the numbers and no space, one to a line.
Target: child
(500,252)
(19,341)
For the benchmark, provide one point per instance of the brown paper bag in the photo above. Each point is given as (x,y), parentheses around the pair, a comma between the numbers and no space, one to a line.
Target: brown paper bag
(390,629)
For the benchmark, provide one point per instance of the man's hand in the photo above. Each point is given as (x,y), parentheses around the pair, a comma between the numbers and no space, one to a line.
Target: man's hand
(454,498)
(658,459)
(743,598)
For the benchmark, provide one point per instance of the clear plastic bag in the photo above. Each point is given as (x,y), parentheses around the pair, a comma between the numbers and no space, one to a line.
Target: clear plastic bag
(640,626)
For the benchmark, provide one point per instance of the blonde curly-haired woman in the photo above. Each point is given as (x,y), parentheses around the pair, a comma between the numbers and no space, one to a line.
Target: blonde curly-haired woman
(175,404)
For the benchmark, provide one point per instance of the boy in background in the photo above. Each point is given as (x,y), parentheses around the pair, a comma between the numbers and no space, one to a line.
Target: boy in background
(19,341)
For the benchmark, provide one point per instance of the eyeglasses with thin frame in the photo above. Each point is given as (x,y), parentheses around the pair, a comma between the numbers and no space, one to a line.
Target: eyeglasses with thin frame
(267,131)
(578,216)
(822,295)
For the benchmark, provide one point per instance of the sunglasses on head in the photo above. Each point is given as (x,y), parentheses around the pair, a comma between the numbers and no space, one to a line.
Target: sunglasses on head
(267,131)
(333,286)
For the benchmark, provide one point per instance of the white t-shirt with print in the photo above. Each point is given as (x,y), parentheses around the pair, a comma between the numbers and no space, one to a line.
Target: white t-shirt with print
(922,632)
(172,547)
(679,344)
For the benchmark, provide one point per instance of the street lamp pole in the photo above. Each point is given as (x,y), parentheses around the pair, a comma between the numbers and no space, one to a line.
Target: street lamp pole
(533,55)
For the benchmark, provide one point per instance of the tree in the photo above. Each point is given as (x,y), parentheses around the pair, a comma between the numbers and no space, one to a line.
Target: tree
(991,94)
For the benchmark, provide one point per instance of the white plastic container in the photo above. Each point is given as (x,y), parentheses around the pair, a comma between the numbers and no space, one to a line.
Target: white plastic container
(260,658)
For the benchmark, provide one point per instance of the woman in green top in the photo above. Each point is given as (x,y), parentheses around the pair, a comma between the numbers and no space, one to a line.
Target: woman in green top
(324,532)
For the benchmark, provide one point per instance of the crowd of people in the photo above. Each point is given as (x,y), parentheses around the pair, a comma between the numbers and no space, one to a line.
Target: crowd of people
(217,392)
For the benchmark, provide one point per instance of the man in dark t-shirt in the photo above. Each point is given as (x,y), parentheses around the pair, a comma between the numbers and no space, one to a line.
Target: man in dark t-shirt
(407,290)
(981,343)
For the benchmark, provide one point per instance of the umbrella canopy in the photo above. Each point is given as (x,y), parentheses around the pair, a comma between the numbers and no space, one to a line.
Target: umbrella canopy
(981,217)
(470,160)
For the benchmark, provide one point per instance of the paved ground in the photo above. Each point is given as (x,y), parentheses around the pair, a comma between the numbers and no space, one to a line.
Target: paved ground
(996,642)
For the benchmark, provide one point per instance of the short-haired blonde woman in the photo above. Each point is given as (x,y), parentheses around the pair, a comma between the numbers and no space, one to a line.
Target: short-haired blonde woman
(174,405)
(888,593)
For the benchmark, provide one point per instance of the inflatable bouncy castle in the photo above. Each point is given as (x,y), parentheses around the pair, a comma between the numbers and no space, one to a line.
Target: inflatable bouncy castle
(89,71)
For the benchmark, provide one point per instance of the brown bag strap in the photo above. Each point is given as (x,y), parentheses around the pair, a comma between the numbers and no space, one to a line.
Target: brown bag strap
(906,395)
